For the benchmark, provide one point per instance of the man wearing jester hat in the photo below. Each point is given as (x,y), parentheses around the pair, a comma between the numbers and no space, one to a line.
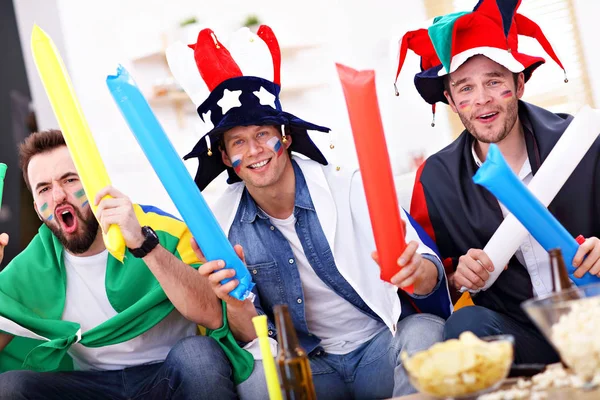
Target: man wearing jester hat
(304,228)
(471,61)
(130,328)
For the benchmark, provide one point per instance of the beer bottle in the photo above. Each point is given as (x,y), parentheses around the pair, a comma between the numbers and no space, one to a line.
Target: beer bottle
(294,368)
(560,276)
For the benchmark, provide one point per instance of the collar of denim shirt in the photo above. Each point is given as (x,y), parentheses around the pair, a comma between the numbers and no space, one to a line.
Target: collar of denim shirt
(250,209)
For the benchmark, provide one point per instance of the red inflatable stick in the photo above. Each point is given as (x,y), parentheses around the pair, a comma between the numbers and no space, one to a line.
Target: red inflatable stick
(374,161)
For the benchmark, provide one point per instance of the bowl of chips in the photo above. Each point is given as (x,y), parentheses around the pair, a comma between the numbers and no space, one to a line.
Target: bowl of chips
(570,321)
(461,368)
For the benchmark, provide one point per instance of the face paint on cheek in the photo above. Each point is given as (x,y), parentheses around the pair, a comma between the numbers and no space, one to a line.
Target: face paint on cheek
(276,145)
(236,162)
(46,212)
(80,194)
(464,105)
(507,94)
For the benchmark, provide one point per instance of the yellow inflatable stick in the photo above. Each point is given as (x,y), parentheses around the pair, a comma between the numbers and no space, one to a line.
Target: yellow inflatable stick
(75,129)
(260,326)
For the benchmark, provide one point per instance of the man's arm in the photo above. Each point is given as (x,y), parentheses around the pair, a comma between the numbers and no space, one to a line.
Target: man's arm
(240,320)
(5,339)
(419,209)
(472,269)
(415,270)
(239,313)
(189,292)
(3,244)
(587,258)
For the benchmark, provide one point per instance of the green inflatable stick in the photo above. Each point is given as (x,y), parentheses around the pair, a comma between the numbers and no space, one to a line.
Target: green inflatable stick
(2,174)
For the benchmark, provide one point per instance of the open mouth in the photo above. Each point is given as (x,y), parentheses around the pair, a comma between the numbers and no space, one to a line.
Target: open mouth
(487,117)
(260,164)
(66,218)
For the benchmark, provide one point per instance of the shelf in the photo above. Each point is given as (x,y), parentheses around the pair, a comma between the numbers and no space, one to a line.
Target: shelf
(178,100)
(286,51)
(157,56)
(182,99)
(183,105)
(292,49)
(170,98)
(294,90)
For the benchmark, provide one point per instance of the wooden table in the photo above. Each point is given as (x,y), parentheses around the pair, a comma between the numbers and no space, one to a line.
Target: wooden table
(553,394)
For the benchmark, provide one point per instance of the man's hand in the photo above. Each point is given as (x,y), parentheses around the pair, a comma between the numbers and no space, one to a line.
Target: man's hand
(118,210)
(239,312)
(590,250)
(3,243)
(473,270)
(415,270)
(215,272)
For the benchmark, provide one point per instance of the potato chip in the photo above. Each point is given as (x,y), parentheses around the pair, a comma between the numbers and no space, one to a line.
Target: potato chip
(460,366)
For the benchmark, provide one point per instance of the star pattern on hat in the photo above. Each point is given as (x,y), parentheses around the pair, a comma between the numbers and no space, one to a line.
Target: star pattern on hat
(265,97)
(230,99)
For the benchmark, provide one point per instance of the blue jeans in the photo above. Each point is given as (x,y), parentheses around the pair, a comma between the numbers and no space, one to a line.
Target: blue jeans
(374,370)
(195,368)
(530,345)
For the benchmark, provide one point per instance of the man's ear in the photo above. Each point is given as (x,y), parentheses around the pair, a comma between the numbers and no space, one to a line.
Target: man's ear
(35,208)
(225,158)
(450,101)
(288,141)
(520,85)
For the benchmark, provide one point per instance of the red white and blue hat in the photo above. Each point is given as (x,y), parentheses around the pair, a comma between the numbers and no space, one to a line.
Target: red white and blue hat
(491,29)
(244,84)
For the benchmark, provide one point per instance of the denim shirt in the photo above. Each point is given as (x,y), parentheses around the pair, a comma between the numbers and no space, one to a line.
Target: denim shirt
(271,261)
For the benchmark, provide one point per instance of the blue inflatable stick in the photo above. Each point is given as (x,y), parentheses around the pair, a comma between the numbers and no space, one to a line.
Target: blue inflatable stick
(175,178)
(497,177)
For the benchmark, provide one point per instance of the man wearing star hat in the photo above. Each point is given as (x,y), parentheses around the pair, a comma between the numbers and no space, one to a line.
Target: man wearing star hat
(471,61)
(305,230)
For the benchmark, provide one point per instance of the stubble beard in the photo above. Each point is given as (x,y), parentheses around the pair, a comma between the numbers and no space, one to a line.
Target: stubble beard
(509,122)
(80,241)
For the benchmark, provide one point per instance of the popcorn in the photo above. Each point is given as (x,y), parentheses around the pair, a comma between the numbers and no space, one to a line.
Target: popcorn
(575,337)
(538,396)
(523,383)
(509,394)
(555,376)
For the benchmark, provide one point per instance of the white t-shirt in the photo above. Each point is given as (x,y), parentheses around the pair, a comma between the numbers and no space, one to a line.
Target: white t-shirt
(341,327)
(87,304)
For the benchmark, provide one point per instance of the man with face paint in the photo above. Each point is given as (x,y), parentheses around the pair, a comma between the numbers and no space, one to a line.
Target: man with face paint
(130,328)
(471,62)
(305,234)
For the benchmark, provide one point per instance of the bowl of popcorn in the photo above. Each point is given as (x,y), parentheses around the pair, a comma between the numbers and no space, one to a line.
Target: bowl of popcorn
(570,321)
(461,368)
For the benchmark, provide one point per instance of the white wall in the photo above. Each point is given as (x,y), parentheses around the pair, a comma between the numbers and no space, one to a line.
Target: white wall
(94,37)
(586,13)
(29,12)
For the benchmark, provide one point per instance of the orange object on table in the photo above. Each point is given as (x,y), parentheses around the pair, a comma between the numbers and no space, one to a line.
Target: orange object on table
(373,158)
